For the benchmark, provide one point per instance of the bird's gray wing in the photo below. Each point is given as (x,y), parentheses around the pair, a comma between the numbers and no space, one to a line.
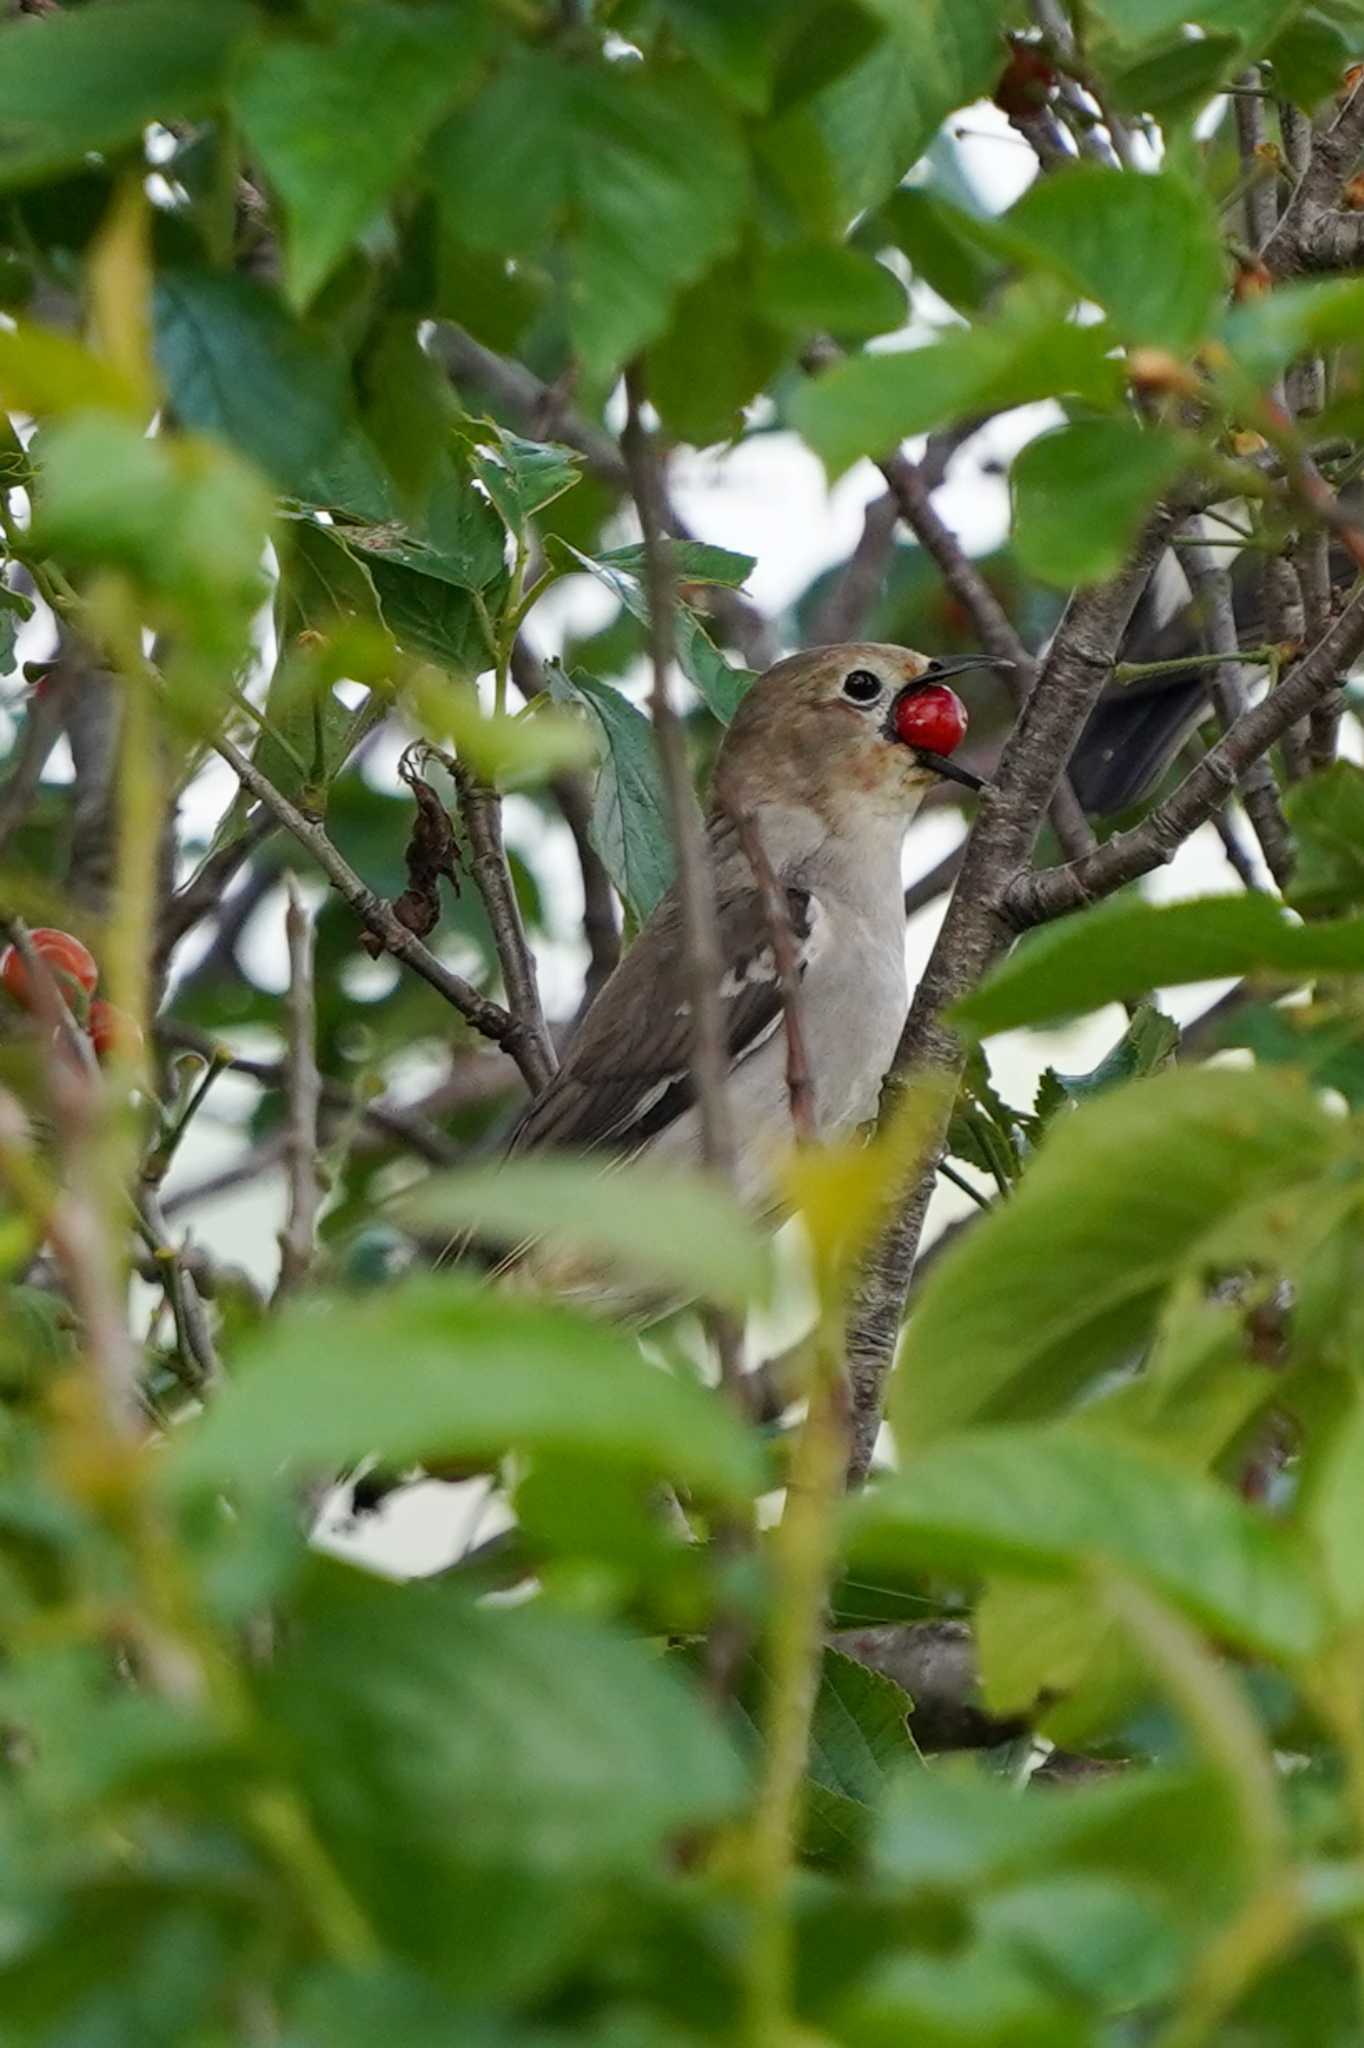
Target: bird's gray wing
(627,1074)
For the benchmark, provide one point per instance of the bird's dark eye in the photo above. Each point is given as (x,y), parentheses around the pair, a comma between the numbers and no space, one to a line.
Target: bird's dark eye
(862,687)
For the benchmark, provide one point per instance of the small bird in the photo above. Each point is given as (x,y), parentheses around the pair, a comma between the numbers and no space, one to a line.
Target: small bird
(830,755)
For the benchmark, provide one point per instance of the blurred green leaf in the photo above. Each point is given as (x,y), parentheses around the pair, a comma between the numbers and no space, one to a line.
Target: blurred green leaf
(720,349)
(1163,1832)
(1125,947)
(640,175)
(444,1368)
(1132,23)
(946,247)
(1054,1502)
(630,828)
(237,366)
(1310,58)
(871,402)
(1065,1280)
(467,1766)
(1266,333)
(1081,494)
(1148,1044)
(1326,812)
(1144,246)
(879,117)
(90,78)
(814,287)
(186,519)
(1175,82)
(736,46)
(680,1229)
(336,124)
(44,371)
(310,732)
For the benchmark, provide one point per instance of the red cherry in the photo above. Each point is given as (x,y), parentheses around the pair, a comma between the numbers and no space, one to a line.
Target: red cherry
(933,719)
(1026,84)
(113,1030)
(72,963)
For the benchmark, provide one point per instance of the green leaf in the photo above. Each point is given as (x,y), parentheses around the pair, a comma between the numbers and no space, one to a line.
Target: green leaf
(1148,1044)
(1309,58)
(676,1228)
(1334,1517)
(737,46)
(522,477)
(945,246)
(1051,1503)
(310,734)
(182,516)
(1145,247)
(1134,23)
(1175,82)
(640,177)
(1168,1831)
(722,688)
(1267,333)
(336,125)
(1326,813)
(1082,492)
(859,1741)
(814,287)
(630,828)
(881,115)
(474,1767)
(44,371)
(692,561)
(872,402)
(90,78)
(721,349)
(237,366)
(1066,1279)
(1125,947)
(445,1368)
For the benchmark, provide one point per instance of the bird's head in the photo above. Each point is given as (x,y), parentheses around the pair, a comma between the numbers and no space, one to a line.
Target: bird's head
(858,726)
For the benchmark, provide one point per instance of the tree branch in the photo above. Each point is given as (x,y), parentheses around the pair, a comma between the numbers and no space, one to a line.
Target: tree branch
(1295,244)
(1034,899)
(975,929)
(303,1094)
(481,810)
(486,1016)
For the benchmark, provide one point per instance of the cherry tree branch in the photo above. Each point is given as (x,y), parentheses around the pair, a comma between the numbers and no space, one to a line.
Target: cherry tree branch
(1034,899)
(377,916)
(976,929)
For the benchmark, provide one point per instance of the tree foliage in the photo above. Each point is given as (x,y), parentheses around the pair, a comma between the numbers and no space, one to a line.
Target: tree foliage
(317,314)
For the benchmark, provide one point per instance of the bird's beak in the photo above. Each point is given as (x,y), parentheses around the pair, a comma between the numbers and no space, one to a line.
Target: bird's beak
(941,765)
(960,665)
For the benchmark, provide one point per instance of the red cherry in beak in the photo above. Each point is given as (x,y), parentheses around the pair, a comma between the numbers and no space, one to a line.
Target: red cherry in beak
(933,719)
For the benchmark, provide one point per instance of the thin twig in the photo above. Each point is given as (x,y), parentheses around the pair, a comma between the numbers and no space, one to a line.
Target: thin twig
(1211,587)
(375,914)
(1033,899)
(298,1239)
(728,1636)
(695,881)
(480,808)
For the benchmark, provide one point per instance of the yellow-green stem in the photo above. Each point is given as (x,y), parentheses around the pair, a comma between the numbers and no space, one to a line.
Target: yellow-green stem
(803,1550)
